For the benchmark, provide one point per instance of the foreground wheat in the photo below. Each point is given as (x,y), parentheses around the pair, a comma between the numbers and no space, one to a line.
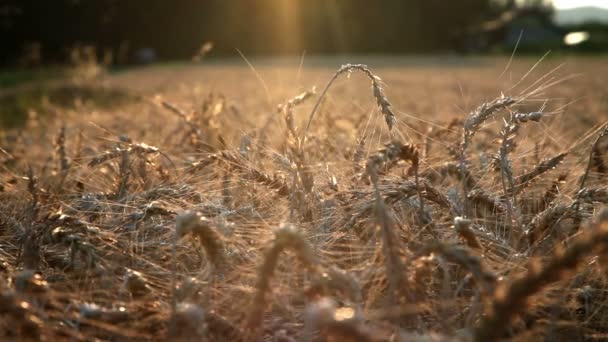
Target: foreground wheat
(205,223)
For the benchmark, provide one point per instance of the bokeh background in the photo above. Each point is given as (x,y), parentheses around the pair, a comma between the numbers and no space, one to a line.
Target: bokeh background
(35,32)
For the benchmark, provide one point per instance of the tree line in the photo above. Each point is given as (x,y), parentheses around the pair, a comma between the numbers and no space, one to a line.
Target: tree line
(176,28)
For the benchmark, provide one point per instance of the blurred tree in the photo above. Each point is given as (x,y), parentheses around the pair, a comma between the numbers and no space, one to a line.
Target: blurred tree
(177,28)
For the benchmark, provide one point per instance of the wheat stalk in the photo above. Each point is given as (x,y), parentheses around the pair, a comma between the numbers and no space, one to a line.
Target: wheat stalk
(463,228)
(378,92)
(510,300)
(542,167)
(592,153)
(286,237)
(480,197)
(124,170)
(196,224)
(334,322)
(463,257)
(471,125)
(552,192)
(546,219)
(508,134)
(62,156)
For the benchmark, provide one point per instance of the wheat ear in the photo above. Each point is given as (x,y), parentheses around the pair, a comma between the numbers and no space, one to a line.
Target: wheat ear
(196,224)
(508,134)
(471,126)
(324,315)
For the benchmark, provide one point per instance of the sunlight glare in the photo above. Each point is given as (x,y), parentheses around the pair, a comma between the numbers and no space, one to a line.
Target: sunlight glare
(289,26)
(567,4)
(575,38)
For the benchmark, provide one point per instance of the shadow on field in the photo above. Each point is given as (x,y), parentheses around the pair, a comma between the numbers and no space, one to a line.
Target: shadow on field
(16,103)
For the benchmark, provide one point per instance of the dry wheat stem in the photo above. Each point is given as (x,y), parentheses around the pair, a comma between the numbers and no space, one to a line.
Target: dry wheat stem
(391,153)
(511,300)
(210,238)
(592,152)
(463,228)
(235,161)
(185,118)
(482,198)
(603,133)
(466,259)
(64,163)
(508,135)
(124,171)
(324,315)
(288,107)
(359,154)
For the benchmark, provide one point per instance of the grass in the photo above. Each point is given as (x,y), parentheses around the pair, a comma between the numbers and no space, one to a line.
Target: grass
(13,78)
(17,103)
(407,202)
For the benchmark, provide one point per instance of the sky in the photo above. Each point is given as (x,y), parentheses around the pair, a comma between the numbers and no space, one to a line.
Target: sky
(566,4)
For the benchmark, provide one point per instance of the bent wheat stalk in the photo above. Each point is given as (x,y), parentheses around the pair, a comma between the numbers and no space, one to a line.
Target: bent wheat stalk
(286,237)
(196,224)
(378,92)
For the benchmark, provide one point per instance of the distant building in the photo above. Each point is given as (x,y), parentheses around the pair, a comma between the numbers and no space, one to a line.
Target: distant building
(534,25)
(146,55)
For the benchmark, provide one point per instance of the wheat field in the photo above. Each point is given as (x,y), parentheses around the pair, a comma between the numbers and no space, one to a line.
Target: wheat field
(431,199)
